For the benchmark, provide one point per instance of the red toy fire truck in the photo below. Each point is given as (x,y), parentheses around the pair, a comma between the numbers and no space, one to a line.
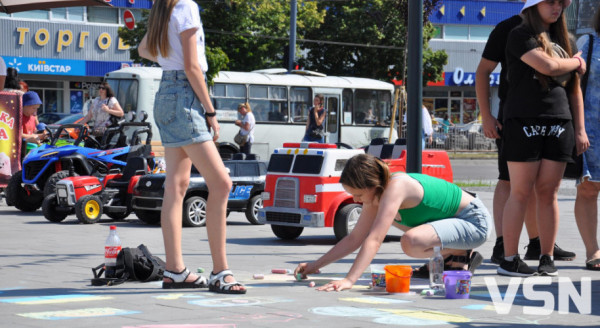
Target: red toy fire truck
(302,186)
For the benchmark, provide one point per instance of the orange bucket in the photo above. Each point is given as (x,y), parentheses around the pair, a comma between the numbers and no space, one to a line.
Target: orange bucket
(397,278)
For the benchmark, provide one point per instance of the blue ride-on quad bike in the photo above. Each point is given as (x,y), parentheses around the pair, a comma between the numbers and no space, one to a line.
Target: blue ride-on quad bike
(47,164)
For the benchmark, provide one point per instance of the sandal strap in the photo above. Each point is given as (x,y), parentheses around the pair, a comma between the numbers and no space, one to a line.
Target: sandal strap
(220,277)
(177,277)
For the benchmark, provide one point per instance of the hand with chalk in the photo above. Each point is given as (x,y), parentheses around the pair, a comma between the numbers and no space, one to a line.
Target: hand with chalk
(303,269)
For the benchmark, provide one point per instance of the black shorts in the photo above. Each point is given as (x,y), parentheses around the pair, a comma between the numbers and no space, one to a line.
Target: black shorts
(534,139)
(502,166)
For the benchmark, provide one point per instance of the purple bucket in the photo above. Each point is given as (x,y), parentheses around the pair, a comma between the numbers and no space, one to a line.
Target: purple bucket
(457,283)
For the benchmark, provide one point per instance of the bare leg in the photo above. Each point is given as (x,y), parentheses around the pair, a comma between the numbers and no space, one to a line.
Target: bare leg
(207,160)
(501,194)
(531,218)
(177,179)
(522,180)
(586,216)
(546,188)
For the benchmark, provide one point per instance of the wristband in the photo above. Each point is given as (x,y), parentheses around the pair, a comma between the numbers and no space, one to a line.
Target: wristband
(580,62)
(207,114)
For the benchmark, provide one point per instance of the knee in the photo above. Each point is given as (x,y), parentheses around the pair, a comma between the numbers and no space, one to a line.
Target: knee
(177,187)
(409,244)
(221,187)
(587,191)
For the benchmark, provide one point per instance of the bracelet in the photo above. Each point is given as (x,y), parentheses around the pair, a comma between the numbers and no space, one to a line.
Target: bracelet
(207,114)
(580,62)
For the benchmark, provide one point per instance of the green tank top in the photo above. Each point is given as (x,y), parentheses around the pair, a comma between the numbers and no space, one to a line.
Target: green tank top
(441,200)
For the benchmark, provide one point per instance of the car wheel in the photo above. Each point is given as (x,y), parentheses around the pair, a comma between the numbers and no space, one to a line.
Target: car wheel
(148,217)
(88,209)
(286,232)
(345,220)
(194,212)
(49,209)
(254,205)
(118,216)
(20,198)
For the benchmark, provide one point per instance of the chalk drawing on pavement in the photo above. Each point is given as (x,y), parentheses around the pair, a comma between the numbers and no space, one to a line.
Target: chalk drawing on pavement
(238,301)
(394,316)
(264,317)
(77,313)
(225,325)
(176,296)
(487,307)
(374,300)
(54,299)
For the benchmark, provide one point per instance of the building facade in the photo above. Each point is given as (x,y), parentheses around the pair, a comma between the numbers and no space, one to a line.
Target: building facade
(63,53)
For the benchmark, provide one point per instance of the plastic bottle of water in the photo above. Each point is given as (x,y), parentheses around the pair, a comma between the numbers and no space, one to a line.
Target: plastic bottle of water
(436,270)
(112,247)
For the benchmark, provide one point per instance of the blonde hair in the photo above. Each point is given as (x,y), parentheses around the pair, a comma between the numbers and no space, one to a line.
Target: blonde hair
(560,33)
(158,27)
(366,171)
(247,105)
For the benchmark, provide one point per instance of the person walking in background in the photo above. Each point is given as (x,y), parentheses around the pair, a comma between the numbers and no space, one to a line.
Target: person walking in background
(246,124)
(427,128)
(184,115)
(543,121)
(431,212)
(315,131)
(101,109)
(446,124)
(588,186)
(494,54)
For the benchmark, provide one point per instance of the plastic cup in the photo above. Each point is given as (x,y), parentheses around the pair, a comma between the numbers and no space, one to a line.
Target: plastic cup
(377,275)
(457,283)
(397,278)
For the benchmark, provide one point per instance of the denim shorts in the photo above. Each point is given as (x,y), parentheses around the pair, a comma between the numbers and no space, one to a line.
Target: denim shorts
(468,230)
(178,113)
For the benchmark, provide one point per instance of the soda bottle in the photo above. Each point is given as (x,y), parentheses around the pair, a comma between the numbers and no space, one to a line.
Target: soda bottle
(436,270)
(112,247)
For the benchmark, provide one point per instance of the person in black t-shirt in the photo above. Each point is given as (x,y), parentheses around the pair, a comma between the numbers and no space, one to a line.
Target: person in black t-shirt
(539,129)
(494,54)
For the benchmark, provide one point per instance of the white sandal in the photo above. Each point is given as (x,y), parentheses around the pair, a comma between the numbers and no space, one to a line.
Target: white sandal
(178,280)
(218,284)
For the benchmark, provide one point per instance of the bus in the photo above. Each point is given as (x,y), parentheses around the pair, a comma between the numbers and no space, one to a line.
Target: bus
(358,109)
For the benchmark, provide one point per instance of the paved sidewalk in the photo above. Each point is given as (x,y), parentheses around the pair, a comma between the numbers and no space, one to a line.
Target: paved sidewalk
(46,269)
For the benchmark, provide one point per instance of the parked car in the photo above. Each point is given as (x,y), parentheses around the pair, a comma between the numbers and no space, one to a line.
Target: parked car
(247,175)
(49,118)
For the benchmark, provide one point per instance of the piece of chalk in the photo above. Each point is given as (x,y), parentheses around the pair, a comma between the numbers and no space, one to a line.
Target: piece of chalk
(282,271)
(200,270)
(430,293)
(299,276)
(311,284)
(258,276)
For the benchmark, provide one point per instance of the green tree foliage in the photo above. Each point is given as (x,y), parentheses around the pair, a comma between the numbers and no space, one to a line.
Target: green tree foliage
(255,33)
(380,24)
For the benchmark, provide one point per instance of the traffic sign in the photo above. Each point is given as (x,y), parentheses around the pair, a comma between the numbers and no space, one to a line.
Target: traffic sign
(128,19)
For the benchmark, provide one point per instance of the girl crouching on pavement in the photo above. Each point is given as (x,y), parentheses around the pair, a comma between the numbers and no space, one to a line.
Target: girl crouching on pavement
(430,211)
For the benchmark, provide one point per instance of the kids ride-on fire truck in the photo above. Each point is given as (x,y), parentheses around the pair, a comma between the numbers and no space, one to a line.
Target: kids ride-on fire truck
(302,186)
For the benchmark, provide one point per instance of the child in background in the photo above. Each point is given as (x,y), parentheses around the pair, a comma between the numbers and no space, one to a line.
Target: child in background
(30,123)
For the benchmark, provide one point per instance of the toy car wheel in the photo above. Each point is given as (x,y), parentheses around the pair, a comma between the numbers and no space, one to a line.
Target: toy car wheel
(49,209)
(254,205)
(286,232)
(148,217)
(50,186)
(18,196)
(118,216)
(194,212)
(88,209)
(345,220)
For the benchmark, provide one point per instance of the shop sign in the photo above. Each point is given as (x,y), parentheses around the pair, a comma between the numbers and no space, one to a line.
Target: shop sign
(460,77)
(46,66)
(66,37)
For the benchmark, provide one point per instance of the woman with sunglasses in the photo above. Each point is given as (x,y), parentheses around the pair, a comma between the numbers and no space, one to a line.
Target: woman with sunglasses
(101,109)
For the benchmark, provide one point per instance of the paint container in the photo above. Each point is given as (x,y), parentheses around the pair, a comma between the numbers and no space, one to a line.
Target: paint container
(458,283)
(377,276)
(258,276)
(397,278)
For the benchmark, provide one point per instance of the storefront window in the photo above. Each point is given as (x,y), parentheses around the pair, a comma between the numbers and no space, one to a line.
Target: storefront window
(59,14)
(32,14)
(440,106)
(76,14)
(480,33)
(456,32)
(455,111)
(103,15)
(469,110)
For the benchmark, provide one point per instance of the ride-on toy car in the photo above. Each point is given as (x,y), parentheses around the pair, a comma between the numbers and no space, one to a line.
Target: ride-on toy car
(47,164)
(247,175)
(302,186)
(90,196)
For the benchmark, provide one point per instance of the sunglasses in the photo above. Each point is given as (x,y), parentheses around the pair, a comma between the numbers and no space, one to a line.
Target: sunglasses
(102,88)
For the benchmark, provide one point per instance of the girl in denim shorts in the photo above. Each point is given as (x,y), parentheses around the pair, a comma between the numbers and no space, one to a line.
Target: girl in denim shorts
(431,212)
(185,117)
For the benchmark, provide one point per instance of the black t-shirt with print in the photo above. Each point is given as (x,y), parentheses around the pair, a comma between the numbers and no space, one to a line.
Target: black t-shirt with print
(526,97)
(495,50)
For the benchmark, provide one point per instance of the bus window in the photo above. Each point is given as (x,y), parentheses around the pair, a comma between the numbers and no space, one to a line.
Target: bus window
(384,110)
(332,110)
(300,102)
(347,107)
(269,103)
(226,98)
(126,92)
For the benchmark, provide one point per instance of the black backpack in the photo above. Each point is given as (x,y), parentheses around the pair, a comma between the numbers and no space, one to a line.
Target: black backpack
(136,264)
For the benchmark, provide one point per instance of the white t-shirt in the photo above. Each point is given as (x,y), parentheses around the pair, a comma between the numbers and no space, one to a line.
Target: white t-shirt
(185,16)
(427,125)
(249,118)
(102,118)
(2,67)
